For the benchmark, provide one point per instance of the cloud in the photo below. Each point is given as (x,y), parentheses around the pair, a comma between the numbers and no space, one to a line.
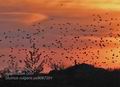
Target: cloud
(22,17)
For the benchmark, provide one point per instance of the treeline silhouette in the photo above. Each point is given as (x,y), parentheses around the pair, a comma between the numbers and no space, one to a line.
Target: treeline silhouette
(80,75)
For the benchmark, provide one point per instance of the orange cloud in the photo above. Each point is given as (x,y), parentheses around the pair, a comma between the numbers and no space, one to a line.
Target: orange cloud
(22,17)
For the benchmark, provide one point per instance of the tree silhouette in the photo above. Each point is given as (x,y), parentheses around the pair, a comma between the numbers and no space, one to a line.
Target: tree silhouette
(33,63)
(57,66)
(12,67)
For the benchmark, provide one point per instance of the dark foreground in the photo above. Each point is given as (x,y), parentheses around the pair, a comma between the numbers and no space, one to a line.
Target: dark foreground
(82,75)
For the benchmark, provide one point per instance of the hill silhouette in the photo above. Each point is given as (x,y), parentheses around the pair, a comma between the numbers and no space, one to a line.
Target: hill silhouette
(81,75)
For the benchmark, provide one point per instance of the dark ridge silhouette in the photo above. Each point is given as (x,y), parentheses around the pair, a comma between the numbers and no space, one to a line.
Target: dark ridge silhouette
(81,75)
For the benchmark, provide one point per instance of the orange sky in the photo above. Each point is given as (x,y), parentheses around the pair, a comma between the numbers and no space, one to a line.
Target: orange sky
(24,13)
(53,3)
(59,7)
(35,5)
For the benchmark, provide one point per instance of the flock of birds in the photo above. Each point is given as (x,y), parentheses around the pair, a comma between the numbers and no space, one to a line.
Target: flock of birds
(95,43)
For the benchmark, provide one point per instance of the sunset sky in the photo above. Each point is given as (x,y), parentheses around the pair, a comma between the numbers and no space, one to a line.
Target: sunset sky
(23,14)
